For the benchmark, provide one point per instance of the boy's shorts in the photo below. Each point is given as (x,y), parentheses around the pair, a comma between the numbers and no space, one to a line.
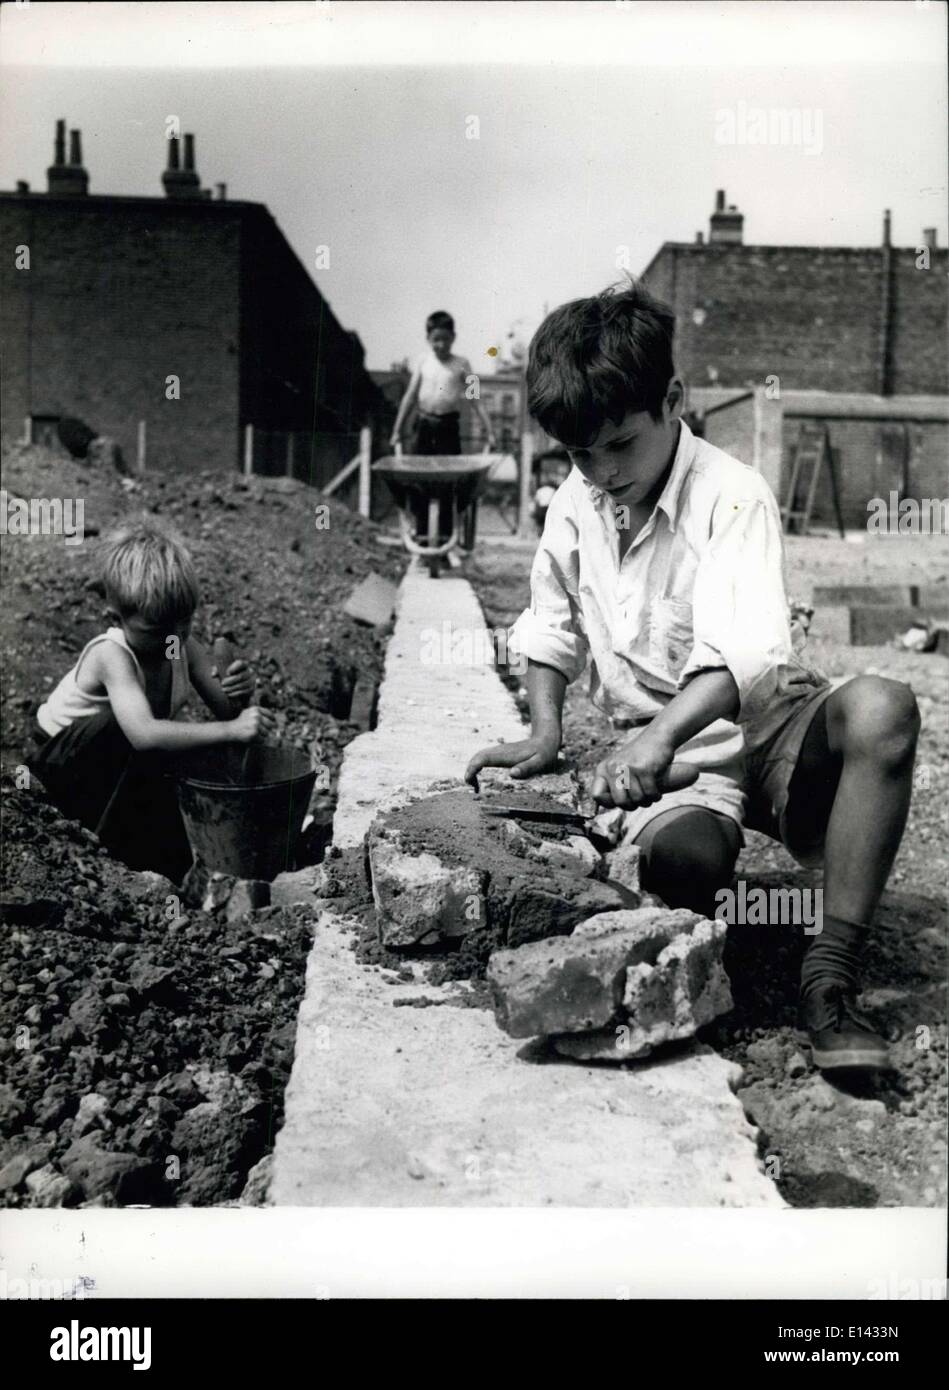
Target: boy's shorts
(745,776)
(438,434)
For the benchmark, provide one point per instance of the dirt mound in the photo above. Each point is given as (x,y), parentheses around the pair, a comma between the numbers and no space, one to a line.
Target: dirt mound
(145,1048)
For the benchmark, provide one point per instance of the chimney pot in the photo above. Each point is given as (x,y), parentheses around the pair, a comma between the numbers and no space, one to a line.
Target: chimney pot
(886,227)
(699,238)
(181,182)
(221,189)
(929,237)
(67,180)
(22,186)
(725,224)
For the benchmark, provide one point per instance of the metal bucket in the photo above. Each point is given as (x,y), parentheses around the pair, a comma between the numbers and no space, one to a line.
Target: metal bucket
(243,807)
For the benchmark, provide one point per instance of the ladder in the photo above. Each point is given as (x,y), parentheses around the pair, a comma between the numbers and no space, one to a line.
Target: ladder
(811,452)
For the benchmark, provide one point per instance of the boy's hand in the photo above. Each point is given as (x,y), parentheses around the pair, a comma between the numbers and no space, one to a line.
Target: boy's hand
(526,758)
(252,724)
(237,682)
(632,776)
(395,439)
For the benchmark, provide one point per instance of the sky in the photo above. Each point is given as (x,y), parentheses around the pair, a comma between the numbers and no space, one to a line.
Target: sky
(492,158)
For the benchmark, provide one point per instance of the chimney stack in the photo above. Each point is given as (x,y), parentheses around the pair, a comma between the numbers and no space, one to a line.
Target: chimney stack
(181,182)
(67,180)
(221,190)
(929,237)
(726,223)
(700,238)
(22,186)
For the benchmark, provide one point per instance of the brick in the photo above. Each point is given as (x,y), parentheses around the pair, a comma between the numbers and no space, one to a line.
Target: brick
(866,595)
(420,900)
(685,989)
(247,895)
(874,627)
(574,983)
(622,866)
(303,886)
(372,601)
(664,1002)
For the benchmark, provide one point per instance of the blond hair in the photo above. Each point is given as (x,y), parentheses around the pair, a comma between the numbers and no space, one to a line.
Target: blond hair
(147,571)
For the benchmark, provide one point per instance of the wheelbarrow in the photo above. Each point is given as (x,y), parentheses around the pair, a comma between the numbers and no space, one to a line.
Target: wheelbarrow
(427,487)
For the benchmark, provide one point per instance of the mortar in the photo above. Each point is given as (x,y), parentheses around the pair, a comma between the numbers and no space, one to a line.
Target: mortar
(243,807)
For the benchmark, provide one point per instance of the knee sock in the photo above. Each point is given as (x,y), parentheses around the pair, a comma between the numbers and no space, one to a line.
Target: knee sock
(834,956)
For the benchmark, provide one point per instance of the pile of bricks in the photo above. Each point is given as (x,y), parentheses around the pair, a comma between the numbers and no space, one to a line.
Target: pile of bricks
(872,615)
(578,952)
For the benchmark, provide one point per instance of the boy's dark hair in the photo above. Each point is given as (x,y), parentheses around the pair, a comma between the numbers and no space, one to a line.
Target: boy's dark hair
(439,320)
(597,359)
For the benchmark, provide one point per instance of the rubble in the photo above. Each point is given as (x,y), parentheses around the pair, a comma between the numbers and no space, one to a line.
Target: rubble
(442,871)
(620,985)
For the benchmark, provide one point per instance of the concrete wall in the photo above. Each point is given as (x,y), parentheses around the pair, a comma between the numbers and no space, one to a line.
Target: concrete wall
(120,294)
(810,315)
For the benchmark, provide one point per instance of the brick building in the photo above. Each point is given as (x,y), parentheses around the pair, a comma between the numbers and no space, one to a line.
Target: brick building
(120,294)
(830,318)
(851,338)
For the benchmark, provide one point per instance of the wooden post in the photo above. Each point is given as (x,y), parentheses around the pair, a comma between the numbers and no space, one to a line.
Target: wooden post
(142,446)
(248,451)
(365,474)
(289,453)
(524,489)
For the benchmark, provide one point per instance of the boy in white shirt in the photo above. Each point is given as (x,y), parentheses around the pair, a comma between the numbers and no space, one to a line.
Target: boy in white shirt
(662,560)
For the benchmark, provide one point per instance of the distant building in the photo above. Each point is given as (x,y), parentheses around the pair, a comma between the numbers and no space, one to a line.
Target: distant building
(776,341)
(830,318)
(187,312)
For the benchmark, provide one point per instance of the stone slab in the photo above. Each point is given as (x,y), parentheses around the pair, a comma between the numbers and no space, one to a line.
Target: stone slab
(435,1106)
(865,595)
(875,627)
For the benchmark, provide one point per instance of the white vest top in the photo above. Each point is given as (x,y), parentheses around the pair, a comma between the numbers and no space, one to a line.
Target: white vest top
(68,702)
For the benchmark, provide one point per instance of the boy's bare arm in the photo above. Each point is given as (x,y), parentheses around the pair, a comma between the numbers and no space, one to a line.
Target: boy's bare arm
(225,693)
(530,756)
(146,733)
(631,776)
(405,405)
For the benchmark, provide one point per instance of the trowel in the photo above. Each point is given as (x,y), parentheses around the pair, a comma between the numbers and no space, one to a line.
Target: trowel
(677,776)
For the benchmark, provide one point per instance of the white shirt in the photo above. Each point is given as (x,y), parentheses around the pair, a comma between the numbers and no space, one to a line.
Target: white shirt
(701,587)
